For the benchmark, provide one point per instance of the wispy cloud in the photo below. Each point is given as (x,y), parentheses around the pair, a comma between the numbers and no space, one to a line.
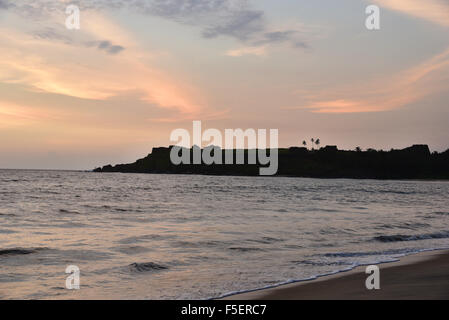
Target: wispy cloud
(12,115)
(214,115)
(289,36)
(385,94)
(231,18)
(38,61)
(4,4)
(64,36)
(254,51)
(15,115)
(436,11)
(236,19)
(108,47)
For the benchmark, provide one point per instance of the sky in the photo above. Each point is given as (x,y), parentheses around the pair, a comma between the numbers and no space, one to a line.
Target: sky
(138,69)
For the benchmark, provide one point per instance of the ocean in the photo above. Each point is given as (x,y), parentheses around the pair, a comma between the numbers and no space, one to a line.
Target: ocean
(146,236)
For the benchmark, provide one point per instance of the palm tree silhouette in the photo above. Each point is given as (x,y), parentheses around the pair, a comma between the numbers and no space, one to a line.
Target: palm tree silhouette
(317,142)
(304,143)
(313,142)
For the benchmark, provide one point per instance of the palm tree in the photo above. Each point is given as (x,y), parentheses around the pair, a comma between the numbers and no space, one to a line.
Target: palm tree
(358,149)
(317,142)
(313,141)
(304,143)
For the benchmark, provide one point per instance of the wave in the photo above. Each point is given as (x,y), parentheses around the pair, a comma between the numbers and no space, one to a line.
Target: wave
(388,191)
(401,237)
(367,253)
(146,267)
(7,231)
(68,211)
(443,213)
(7,215)
(266,240)
(246,249)
(19,251)
(322,264)
(407,225)
(317,276)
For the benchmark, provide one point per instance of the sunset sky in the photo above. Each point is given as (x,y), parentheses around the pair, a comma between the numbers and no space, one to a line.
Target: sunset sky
(136,70)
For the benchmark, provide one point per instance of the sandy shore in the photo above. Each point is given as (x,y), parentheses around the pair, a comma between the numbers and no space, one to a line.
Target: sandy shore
(420,276)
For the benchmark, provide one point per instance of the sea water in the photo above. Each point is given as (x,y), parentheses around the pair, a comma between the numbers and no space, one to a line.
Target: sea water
(145,236)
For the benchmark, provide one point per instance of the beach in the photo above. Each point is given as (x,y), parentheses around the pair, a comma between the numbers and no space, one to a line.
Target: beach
(415,277)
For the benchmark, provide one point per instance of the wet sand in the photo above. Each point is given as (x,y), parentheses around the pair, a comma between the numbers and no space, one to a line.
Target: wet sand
(420,276)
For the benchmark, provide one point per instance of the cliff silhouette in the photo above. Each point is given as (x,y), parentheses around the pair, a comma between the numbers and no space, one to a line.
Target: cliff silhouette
(415,162)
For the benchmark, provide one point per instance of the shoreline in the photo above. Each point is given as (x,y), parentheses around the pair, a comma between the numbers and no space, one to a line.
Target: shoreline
(260,176)
(237,175)
(424,275)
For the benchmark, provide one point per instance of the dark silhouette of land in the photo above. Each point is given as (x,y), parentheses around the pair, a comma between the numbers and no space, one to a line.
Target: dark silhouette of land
(416,162)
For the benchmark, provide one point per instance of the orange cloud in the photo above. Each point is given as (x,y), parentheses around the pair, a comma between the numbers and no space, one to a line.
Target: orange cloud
(83,71)
(13,115)
(254,51)
(436,11)
(341,106)
(387,93)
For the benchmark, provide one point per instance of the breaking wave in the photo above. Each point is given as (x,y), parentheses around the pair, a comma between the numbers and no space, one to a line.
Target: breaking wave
(400,237)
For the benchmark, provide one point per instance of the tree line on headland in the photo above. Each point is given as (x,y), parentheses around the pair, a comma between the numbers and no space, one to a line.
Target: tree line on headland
(415,162)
